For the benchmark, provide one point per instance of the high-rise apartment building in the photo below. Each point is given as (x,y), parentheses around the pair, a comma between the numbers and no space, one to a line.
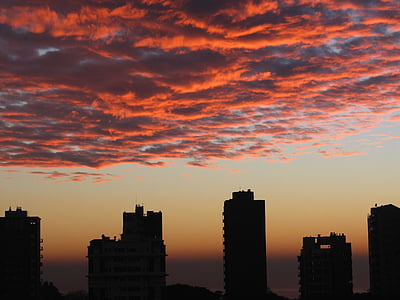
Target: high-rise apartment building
(245,270)
(19,256)
(384,251)
(325,268)
(132,267)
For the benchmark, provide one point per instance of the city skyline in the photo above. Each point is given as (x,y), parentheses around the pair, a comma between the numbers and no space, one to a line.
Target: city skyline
(288,293)
(134,264)
(174,104)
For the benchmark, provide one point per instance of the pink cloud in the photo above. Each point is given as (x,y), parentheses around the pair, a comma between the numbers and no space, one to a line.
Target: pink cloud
(340,153)
(75,176)
(11,171)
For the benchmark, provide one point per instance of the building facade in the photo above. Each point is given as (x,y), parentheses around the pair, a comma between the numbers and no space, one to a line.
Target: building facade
(325,267)
(20,257)
(132,267)
(384,251)
(245,267)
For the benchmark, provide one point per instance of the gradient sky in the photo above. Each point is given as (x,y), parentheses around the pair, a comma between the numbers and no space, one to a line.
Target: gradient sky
(175,104)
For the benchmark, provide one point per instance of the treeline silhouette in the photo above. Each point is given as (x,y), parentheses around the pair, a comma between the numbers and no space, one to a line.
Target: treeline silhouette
(184,292)
(171,292)
(50,292)
(177,292)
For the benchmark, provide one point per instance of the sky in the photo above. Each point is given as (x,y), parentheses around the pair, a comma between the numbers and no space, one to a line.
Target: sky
(176,104)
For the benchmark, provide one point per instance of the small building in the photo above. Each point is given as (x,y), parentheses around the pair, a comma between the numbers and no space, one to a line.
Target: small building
(20,258)
(245,261)
(325,267)
(384,251)
(132,267)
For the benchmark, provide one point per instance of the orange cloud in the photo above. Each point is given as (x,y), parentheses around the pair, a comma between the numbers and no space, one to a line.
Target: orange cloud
(340,153)
(74,176)
(98,84)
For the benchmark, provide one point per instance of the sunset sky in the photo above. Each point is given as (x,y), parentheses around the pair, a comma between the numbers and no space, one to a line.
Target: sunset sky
(176,104)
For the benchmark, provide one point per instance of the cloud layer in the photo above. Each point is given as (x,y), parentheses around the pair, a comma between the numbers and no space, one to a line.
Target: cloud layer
(100,82)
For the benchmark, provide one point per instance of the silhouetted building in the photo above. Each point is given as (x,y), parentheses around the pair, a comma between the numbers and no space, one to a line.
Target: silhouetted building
(245,270)
(19,256)
(325,268)
(132,267)
(384,251)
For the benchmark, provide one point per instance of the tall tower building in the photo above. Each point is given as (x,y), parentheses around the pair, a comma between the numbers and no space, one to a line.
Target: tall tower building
(325,268)
(245,270)
(132,267)
(19,256)
(384,251)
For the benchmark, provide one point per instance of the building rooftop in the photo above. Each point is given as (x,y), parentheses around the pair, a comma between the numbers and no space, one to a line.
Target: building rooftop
(18,213)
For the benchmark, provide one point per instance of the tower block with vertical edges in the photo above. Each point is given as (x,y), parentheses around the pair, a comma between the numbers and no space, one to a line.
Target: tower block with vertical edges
(20,256)
(384,251)
(325,267)
(132,267)
(245,266)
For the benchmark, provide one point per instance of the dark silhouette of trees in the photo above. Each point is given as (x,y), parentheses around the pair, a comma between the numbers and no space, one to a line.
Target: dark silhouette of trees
(272,296)
(363,296)
(359,296)
(76,295)
(49,292)
(185,292)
